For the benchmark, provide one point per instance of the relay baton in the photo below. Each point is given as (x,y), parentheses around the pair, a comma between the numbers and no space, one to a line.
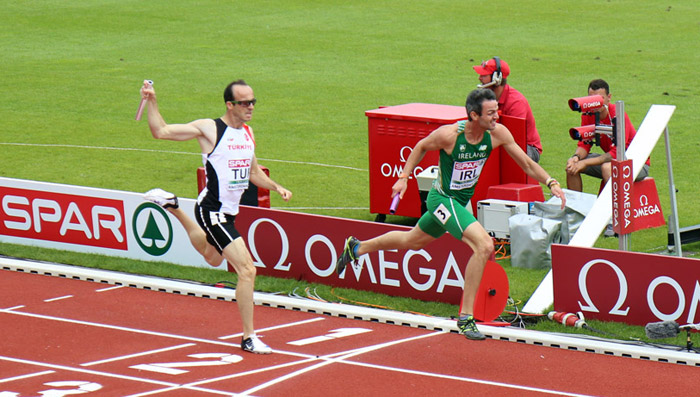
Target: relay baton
(139,112)
(394,203)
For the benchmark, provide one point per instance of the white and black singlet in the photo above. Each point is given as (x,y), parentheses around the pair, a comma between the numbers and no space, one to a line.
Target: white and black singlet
(227,168)
(228,173)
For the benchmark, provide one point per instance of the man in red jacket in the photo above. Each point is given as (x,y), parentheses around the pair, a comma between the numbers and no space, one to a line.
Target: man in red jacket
(493,74)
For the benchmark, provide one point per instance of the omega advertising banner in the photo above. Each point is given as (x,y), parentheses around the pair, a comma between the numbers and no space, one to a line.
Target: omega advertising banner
(635,205)
(306,247)
(282,243)
(629,287)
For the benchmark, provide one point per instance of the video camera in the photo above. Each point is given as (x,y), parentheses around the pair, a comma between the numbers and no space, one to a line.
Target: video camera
(587,104)
(590,134)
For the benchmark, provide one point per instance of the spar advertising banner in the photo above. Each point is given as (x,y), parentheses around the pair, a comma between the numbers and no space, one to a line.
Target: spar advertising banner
(89,220)
(282,243)
(628,287)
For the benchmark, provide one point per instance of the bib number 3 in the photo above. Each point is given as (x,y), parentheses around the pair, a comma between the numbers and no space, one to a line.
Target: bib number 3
(442,213)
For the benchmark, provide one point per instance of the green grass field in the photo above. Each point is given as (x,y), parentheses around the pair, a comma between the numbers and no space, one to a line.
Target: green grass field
(72,70)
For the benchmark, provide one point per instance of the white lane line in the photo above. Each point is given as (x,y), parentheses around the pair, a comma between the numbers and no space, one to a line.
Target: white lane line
(27,376)
(111,375)
(331,361)
(85,371)
(314,164)
(96,147)
(331,335)
(125,329)
(343,356)
(254,371)
(173,388)
(14,308)
(58,299)
(464,379)
(109,288)
(174,152)
(145,353)
(312,320)
(144,332)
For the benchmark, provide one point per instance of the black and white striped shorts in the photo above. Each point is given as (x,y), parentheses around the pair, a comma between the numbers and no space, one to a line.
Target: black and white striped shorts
(218,226)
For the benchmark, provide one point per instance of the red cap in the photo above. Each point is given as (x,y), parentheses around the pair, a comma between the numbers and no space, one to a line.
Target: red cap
(488,67)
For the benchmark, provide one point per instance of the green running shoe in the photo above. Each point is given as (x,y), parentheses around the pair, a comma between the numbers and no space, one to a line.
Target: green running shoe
(348,254)
(467,327)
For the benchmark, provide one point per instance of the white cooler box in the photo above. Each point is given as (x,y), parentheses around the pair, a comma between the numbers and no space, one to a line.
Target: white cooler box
(493,215)
(426,178)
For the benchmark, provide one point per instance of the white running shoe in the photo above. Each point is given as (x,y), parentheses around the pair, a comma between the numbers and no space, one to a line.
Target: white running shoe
(162,198)
(253,344)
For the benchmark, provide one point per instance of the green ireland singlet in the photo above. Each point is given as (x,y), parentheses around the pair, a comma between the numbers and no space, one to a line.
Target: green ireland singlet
(454,186)
(459,171)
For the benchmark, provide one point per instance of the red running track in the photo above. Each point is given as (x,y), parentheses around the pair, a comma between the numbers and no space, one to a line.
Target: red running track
(69,337)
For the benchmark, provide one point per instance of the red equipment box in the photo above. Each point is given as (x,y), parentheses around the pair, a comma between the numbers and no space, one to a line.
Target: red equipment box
(516,192)
(395,130)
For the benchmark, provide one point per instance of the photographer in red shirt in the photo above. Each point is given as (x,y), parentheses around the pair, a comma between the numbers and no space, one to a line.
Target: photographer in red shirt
(595,164)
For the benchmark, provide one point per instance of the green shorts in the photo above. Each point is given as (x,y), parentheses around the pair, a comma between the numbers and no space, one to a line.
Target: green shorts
(444,214)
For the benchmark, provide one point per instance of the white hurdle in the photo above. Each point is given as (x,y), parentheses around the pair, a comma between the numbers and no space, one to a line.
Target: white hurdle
(640,149)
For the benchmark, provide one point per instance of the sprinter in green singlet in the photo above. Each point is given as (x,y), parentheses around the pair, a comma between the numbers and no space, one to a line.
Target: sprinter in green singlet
(464,148)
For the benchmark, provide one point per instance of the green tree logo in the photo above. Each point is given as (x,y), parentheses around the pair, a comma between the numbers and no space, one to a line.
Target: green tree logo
(152,232)
(150,238)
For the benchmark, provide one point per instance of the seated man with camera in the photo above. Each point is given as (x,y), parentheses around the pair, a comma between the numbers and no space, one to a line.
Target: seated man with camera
(595,164)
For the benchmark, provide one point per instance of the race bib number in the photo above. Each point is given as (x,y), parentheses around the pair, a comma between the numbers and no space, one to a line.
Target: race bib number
(442,213)
(465,174)
(217,218)
(239,174)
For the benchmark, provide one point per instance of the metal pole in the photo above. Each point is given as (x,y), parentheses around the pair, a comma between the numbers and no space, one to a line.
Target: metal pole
(624,239)
(673,219)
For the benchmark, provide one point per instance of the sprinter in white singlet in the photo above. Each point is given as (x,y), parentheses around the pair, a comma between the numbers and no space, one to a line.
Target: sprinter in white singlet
(228,152)
(227,168)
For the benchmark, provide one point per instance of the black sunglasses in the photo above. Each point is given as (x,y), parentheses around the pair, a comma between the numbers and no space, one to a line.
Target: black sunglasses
(245,103)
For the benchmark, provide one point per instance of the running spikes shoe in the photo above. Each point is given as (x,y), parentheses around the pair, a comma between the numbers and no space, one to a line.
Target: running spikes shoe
(348,254)
(253,344)
(467,327)
(162,198)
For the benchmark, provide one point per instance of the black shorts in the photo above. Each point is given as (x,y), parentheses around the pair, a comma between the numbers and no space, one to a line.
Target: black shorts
(218,226)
